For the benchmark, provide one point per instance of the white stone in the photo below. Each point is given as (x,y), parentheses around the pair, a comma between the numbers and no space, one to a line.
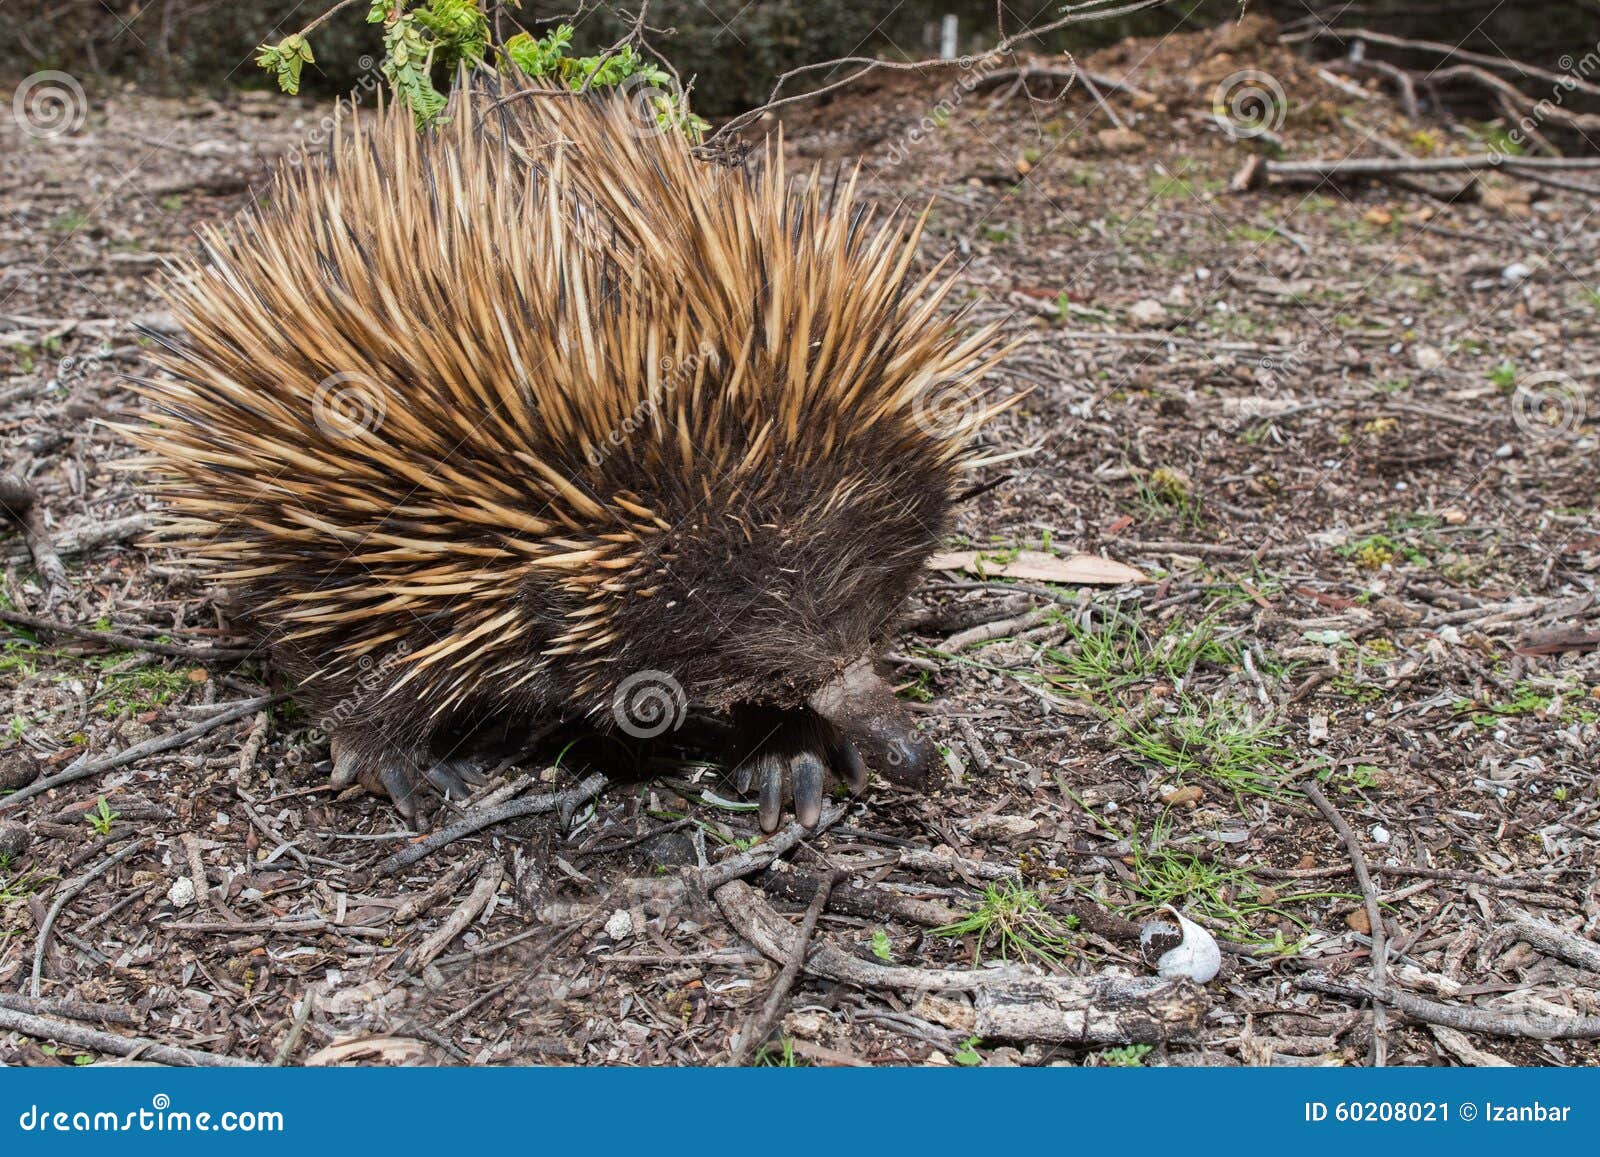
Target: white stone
(1197,955)
(1148,312)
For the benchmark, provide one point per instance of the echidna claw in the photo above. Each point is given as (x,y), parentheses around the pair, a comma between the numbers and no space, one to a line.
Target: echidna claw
(400,787)
(456,779)
(788,758)
(346,764)
(847,763)
(405,776)
(807,774)
(770,795)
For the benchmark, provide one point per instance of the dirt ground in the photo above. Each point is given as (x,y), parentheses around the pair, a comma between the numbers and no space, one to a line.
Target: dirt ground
(1345,432)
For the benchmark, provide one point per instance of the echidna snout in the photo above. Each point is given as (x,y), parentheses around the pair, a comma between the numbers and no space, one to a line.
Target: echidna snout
(865,710)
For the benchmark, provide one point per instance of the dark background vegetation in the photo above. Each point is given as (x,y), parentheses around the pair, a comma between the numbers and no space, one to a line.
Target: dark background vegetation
(732,48)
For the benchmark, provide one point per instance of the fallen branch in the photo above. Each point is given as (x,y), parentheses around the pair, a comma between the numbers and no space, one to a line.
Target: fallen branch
(1369,897)
(87,538)
(1449,51)
(412,906)
(1059,76)
(1011,1004)
(565,802)
(128,642)
(42,942)
(45,1028)
(1398,76)
(1100,1010)
(18,501)
(869,902)
(139,750)
(1555,941)
(1258,170)
(1000,629)
(1524,1026)
(1521,105)
(71,1009)
(468,911)
(760,1025)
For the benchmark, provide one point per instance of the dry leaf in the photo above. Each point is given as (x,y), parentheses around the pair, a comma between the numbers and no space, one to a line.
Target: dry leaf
(1037,566)
(380,1050)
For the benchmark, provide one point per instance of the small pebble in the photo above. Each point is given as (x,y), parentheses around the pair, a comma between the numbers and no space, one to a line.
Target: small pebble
(620,925)
(1147,312)
(182,892)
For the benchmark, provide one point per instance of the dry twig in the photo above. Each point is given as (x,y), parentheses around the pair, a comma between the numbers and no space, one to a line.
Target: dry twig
(1369,896)
(564,802)
(45,1028)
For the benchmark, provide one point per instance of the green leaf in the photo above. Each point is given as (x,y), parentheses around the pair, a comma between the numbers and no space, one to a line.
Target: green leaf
(285,60)
(881,948)
(458,28)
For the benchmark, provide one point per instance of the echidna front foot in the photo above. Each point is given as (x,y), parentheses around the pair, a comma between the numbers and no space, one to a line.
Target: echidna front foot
(787,758)
(406,775)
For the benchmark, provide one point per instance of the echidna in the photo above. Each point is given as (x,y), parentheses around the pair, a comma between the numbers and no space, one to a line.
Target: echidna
(535,415)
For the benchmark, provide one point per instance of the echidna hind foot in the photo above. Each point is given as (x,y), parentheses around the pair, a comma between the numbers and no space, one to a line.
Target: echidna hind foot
(407,775)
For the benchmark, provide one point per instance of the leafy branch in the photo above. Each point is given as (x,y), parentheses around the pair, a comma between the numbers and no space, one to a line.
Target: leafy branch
(446,34)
